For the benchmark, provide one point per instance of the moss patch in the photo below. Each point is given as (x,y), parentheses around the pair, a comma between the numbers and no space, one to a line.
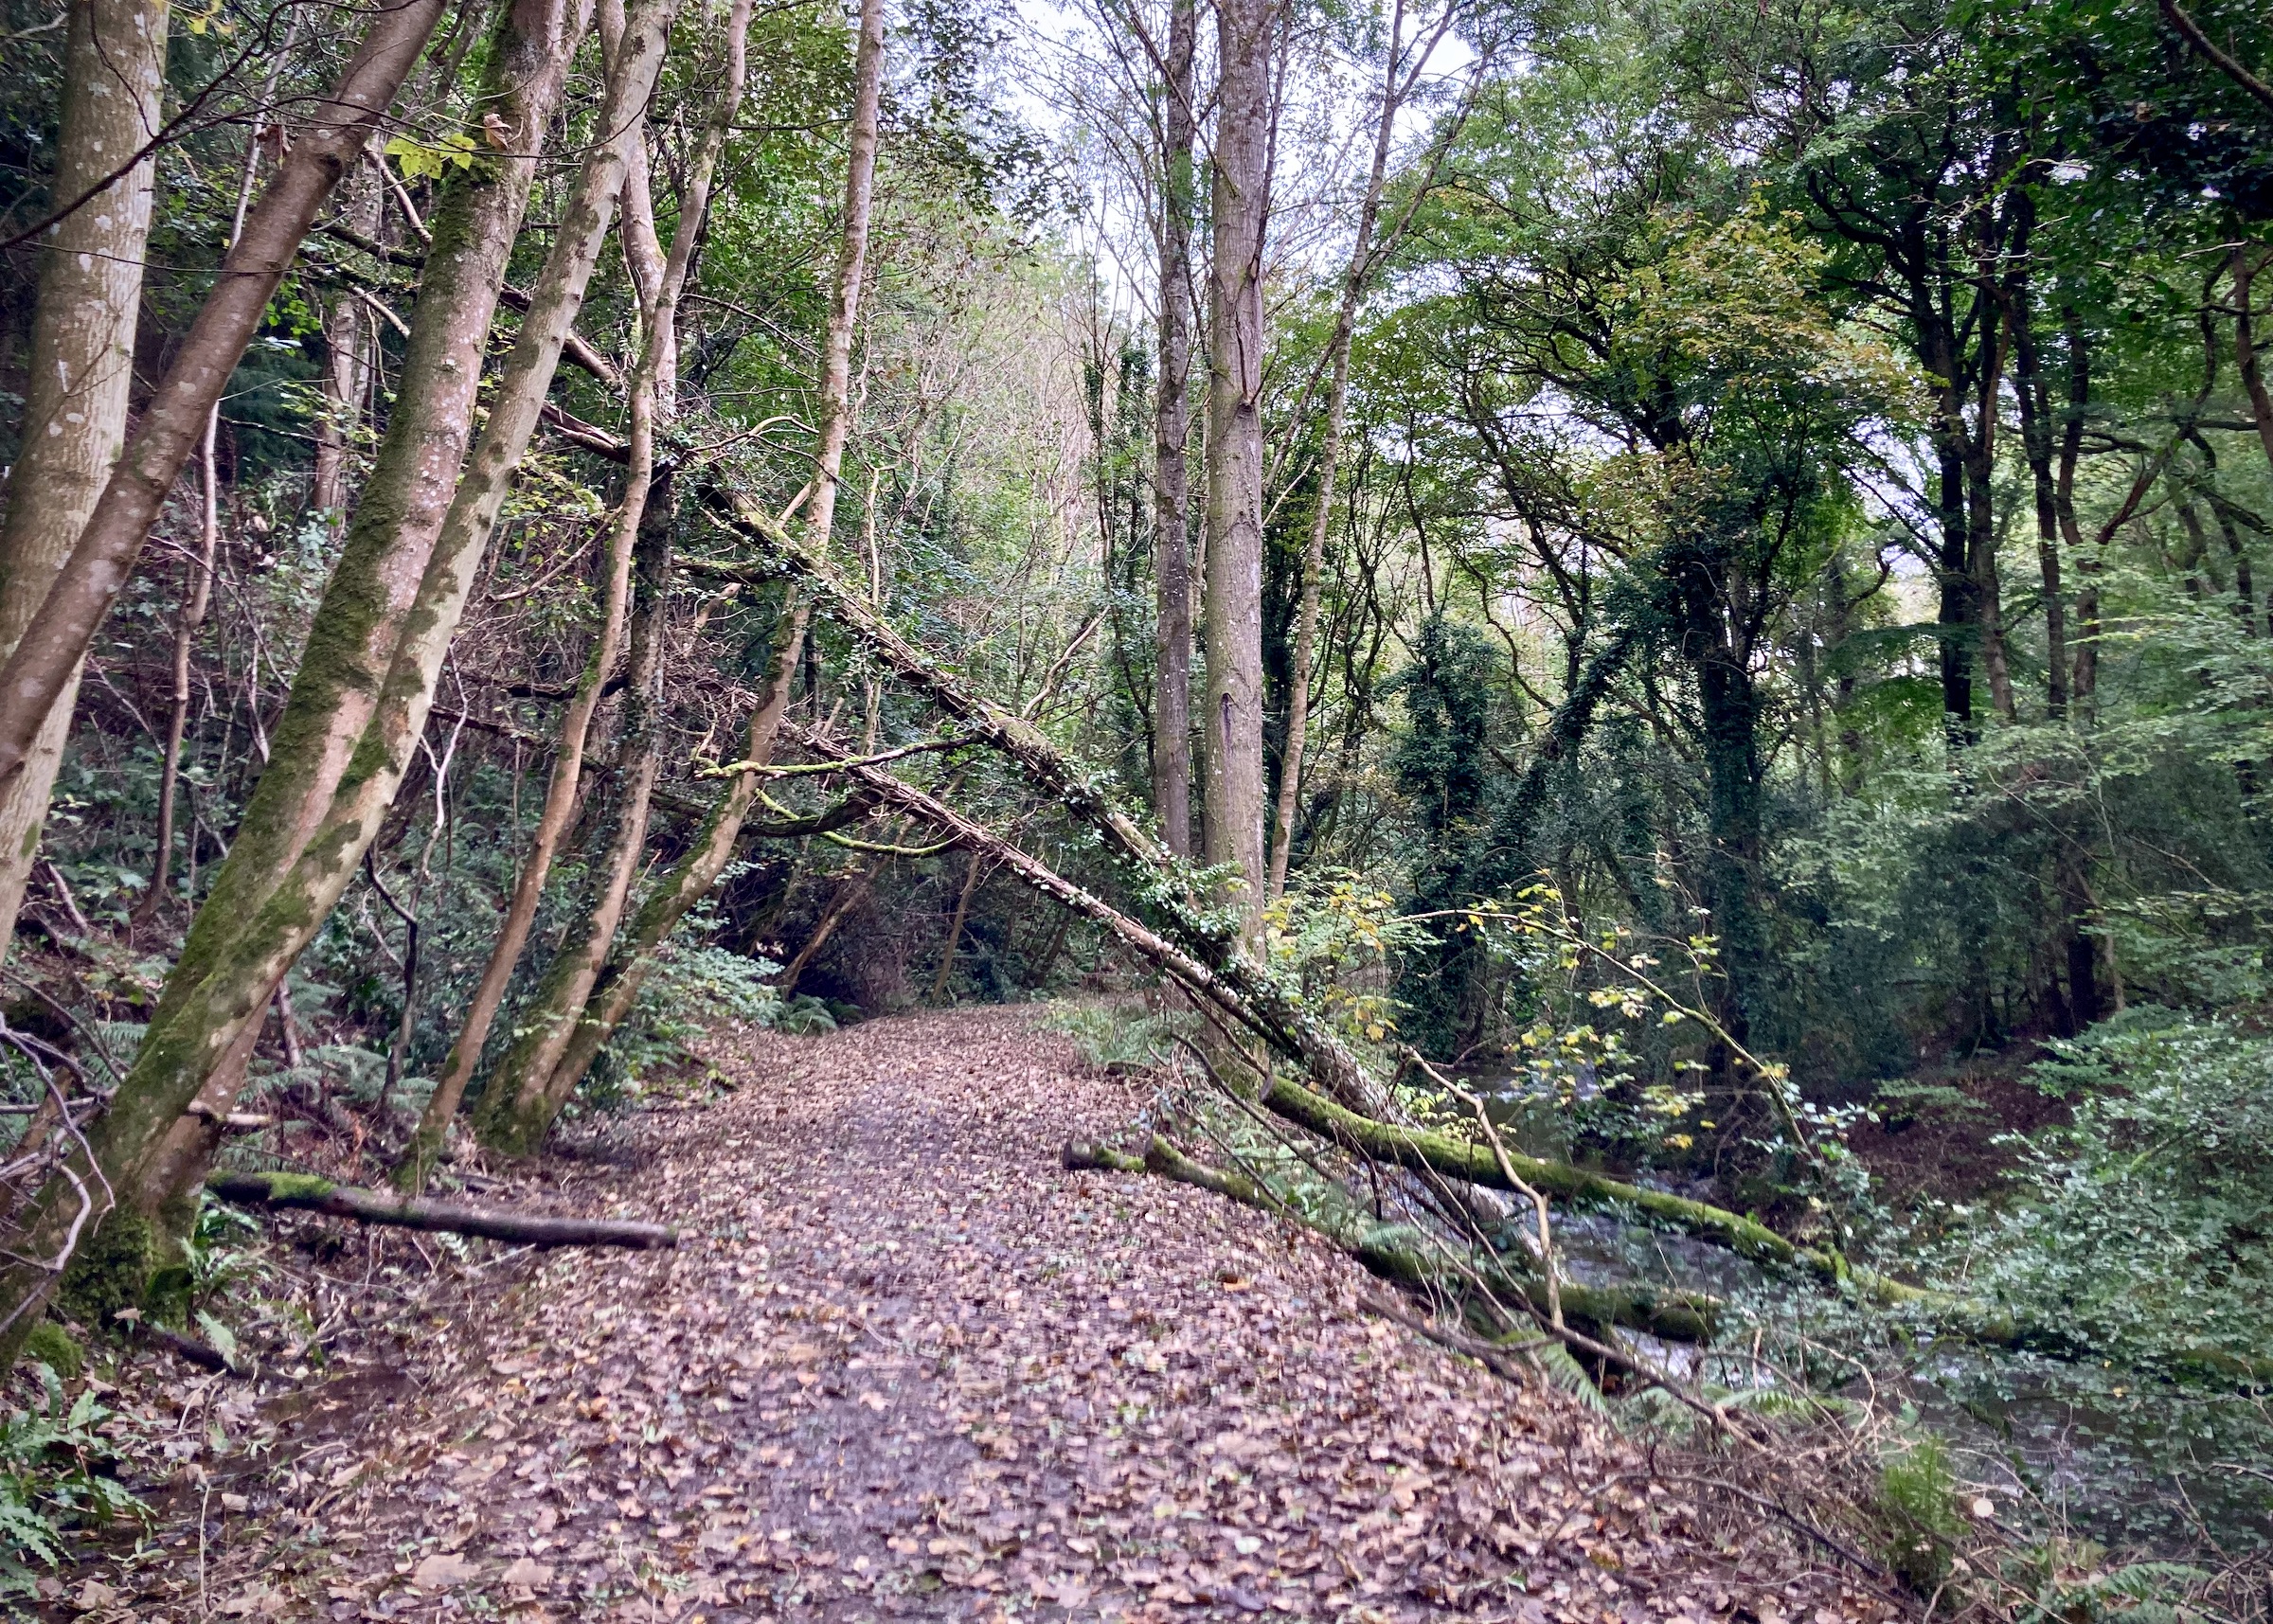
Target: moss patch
(54,1347)
(110,1272)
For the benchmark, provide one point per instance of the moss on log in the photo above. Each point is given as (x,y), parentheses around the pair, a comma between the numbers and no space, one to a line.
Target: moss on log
(1677,1317)
(300,1193)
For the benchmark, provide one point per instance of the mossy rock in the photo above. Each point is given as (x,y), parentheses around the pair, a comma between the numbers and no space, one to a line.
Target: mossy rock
(50,1345)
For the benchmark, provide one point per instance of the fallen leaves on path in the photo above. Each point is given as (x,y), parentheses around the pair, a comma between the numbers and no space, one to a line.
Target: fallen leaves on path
(903,1367)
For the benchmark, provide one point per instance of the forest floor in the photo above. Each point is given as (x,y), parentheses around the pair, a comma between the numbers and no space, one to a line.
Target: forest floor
(902,1366)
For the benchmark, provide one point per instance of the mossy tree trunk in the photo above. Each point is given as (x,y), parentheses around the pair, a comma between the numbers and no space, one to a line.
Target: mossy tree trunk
(81,359)
(218,993)
(578,1010)
(520,1104)
(637,59)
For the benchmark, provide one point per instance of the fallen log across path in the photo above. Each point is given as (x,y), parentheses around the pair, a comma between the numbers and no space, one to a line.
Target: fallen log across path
(299,1192)
(1676,1316)
(1271,1009)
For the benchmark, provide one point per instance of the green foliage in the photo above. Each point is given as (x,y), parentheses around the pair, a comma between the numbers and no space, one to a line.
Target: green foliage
(1917,1492)
(2147,1222)
(1121,1040)
(693,988)
(52,1454)
(806,1016)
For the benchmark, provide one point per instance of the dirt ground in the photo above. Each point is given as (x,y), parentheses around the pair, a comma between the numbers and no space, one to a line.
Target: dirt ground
(902,1366)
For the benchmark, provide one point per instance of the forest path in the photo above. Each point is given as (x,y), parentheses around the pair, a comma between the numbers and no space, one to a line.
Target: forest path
(903,1366)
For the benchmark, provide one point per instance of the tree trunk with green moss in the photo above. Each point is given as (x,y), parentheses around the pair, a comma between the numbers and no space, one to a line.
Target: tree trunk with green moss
(619,32)
(81,359)
(589,992)
(373,655)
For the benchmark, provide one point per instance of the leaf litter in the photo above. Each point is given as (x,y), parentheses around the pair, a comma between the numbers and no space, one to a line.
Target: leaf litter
(902,1366)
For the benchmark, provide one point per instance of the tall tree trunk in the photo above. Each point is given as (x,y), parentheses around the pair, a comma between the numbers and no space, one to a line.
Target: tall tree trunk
(196,600)
(553,307)
(2245,270)
(520,1105)
(205,1030)
(81,364)
(350,339)
(2033,393)
(2084,670)
(47,660)
(1980,501)
(1171,437)
(1231,713)
(517,1108)
(1955,614)
(1362,258)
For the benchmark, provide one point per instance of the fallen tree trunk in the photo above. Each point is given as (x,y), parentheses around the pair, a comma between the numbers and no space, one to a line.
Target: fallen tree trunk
(1213,965)
(1676,1316)
(299,1192)
(1419,1150)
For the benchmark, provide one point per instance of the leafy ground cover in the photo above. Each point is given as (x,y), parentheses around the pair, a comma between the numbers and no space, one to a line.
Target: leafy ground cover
(900,1366)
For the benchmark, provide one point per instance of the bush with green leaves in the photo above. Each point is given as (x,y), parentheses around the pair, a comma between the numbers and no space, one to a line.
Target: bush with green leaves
(2147,1223)
(693,987)
(51,1459)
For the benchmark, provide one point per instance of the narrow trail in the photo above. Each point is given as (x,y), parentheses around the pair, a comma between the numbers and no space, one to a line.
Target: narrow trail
(903,1367)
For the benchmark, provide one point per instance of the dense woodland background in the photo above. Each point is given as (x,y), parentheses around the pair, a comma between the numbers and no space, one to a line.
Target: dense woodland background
(1698,570)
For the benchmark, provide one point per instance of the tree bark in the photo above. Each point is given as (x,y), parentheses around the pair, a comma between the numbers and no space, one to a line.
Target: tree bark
(1981,503)
(2084,668)
(39,670)
(558,297)
(1231,713)
(298,1193)
(955,927)
(2245,272)
(196,600)
(81,364)
(1171,438)
(544,1078)
(521,1103)
(617,989)
(1330,459)
(2033,394)
(214,1002)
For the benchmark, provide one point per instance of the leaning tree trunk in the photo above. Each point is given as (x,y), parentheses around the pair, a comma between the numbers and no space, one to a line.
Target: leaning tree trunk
(1172,437)
(1340,1072)
(517,1109)
(171,1068)
(521,1103)
(618,990)
(412,497)
(262,914)
(44,663)
(609,999)
(81,363)
(1231,710)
